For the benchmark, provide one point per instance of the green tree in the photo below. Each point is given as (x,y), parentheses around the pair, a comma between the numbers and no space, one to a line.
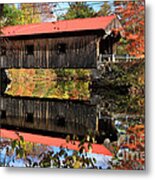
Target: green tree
(30,13)
(105,10)
(10,15)
(1,13)
(78,10)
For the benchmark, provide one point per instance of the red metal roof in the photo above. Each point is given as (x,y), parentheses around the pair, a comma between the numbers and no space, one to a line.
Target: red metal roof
(59,26)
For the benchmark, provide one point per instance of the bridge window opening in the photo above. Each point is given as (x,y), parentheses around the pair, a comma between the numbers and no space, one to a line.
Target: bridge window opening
(60,121)
(3,114)
(3,50)
(30,49)
(29,117)
(61,47)
(101,125)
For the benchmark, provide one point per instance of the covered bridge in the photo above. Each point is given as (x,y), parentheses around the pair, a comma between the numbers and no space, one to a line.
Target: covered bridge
(73,43)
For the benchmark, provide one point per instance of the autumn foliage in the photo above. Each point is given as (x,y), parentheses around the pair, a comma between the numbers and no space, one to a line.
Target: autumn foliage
(130,149)
(131,15)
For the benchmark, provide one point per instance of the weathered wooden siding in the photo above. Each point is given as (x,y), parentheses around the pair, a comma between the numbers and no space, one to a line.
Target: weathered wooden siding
(48,115)
(80,53)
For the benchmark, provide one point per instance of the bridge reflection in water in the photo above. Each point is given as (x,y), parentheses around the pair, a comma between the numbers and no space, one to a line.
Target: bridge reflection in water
(66,117)
(54,118)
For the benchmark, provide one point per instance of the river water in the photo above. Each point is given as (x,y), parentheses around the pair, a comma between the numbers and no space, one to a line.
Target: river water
(42,102)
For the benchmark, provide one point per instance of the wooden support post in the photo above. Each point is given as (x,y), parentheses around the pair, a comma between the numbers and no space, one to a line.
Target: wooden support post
(98,49)
(113,57)
(97,123)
